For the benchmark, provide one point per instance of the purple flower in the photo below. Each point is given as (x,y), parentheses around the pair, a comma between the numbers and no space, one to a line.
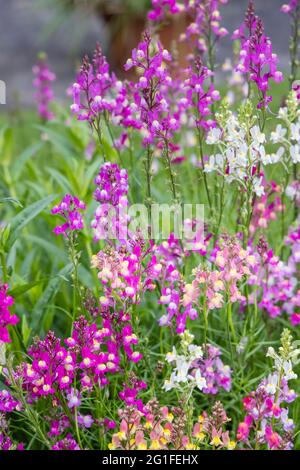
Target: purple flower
(69,208)
(257,59)
(6,318)
(44,94)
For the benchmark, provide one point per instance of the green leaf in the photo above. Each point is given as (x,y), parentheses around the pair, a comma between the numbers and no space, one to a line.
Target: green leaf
(26,330)
(23,288)
(24,217)
(21,160)
(11,200)
(7,146)
(48,294)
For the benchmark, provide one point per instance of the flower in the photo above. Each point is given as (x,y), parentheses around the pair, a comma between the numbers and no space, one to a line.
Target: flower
(42,82)
(6,318)
(197,366)
(70,209)
(257,58)
(266,417)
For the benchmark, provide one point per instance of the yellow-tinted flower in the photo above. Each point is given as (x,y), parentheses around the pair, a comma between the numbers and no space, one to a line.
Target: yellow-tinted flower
(216,441)
(231,445)
(200,436)
(155,445)
(121,435)
(142,446)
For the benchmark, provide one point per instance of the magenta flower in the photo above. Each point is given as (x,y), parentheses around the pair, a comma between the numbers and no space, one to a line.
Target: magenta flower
(69,208)
(42,82)
(257,59)
(290,7)
(6,318)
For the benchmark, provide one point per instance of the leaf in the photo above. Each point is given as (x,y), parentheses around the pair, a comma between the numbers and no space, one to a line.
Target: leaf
(26,330)
(48,294)
(12,200)
(60,179)
(50,248)
(7,146)
(23,288)
(24,217)
(21,160)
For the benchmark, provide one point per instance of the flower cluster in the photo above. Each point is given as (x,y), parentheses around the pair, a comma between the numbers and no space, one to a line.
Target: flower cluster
(69,208)
(197,366)
(210,430)
(278,279)
(8,402)
(267,417)
(257,58)
(204,20)
(42,82)
(288,135)
(6,318)
(198,96)
(98,92)
(111,192)
(152,104)
(160,427)
(266,208)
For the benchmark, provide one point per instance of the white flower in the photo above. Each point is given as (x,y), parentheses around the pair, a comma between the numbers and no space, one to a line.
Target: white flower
(171,356)
(295,131)
(295,153)
(170,384)
(200,381)
(289,374)
(195,351)
(278,135)
(273,158)
(278,155)
(215,162)
(257,136)
(182,369)
(272,384)
(258,187)
(213,136)
(283,114)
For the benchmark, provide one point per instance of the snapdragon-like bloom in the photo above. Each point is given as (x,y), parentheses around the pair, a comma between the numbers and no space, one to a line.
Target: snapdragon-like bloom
(154,114)
(266,421)
(6,318)
(197,367)
(290,7)
(97,91)
(165,428)
(279,292)
(239,156)
(266,208)
(200,96)
(287,136)
(70,209)
(42,82)
(203,17)
(7,402)
(110,218)
(257,58)
(67,443)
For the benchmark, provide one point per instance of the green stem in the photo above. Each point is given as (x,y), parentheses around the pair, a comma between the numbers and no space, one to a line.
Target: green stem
(4,267)
(230,321)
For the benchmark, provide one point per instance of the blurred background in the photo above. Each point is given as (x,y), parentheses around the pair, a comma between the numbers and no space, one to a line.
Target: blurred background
(67,29)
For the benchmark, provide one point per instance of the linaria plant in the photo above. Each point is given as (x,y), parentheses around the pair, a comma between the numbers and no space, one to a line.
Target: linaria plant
(119,330)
